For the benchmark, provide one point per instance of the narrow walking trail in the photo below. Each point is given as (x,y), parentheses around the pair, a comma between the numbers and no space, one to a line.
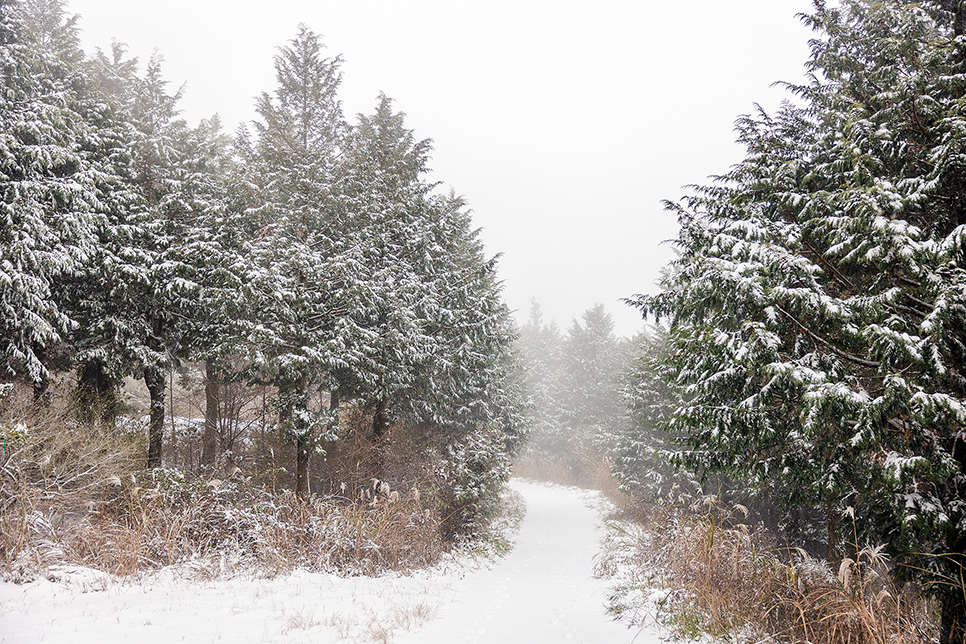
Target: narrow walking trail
(542,591)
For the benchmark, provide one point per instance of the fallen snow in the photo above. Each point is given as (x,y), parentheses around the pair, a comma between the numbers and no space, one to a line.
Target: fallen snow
(543,591)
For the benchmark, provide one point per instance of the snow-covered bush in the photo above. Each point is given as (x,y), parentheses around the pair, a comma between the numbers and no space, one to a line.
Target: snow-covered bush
(473,471)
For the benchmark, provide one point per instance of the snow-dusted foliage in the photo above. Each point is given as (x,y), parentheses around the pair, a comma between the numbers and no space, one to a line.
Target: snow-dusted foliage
(49,176)
(142,302)
(300,275)
(475,467)
(818,306)
(644,450)
(357,278)
(575,382)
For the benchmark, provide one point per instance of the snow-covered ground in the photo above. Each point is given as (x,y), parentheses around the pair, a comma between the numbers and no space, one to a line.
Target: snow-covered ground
(543,591)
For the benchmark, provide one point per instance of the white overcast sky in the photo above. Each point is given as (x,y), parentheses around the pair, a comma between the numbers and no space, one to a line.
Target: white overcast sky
(564,123)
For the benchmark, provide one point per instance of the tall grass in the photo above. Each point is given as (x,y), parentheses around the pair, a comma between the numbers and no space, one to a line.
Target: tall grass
(219,525)
(74,493)
(703,571)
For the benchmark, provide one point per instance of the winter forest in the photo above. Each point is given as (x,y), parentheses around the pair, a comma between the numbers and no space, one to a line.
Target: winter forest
(284,350)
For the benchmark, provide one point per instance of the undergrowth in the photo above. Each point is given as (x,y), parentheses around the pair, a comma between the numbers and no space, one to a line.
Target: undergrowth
(702,571)
(78,494)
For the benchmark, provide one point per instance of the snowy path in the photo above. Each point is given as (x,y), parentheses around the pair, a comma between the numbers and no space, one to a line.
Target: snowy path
(543,591)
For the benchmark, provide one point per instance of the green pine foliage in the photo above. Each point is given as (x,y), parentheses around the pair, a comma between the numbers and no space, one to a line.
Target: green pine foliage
(49,182)
(644,450)
(818,305)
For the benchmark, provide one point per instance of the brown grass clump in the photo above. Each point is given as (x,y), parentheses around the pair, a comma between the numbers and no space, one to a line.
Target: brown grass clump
(217,524)
(159,519)
(54,472)
(707,572)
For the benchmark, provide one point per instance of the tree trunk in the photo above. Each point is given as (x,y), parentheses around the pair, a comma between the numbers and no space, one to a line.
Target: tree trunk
(334,408)
(41,385)
(303,442)
(380,420)
(834,553)
(155,382)
(209,439)
(953,617)
(301,465)
(96,395)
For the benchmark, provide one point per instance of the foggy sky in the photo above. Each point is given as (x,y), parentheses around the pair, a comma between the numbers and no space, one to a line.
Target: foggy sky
(564,123)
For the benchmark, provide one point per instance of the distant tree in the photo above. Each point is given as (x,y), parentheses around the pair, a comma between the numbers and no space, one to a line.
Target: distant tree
(644,448)
(575,382)
(540,346)
(817,308)
(594,364)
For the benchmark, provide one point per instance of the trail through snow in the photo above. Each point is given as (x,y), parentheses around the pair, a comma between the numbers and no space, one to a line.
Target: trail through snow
(541,592)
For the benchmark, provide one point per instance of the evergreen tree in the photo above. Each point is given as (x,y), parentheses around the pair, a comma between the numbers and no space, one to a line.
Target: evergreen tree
(595,362)
(386,211)
(575,383)
(817,307)
(140,300)
(50,175)
(643,449)
(302,273)
(540,346)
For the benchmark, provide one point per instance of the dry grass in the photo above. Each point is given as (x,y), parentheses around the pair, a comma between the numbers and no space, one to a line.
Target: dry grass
(705,572)
(159,519)
(379,625)
(220,526)
(54,472)
(78,494)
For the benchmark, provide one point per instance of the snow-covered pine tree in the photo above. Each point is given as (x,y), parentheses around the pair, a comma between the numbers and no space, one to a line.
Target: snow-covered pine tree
(212,250)
(467,383)
(468,392)
(540,347)
(49,178)
(436,332)
(818,306)
(384,199)
(139,302)
(300,272)
(594,364)
(576,383)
